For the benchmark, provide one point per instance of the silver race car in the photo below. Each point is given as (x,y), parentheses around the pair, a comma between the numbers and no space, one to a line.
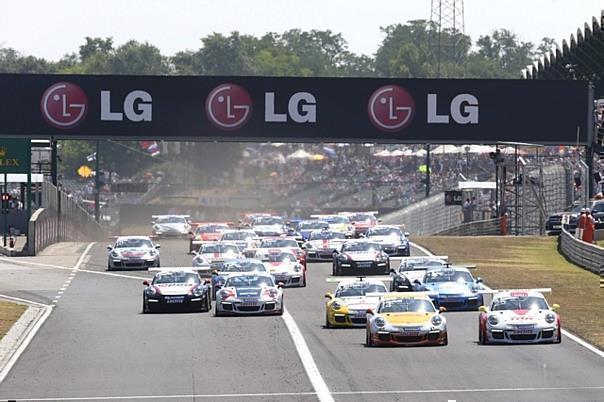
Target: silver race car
(249,293)
(171,225)
(132,252)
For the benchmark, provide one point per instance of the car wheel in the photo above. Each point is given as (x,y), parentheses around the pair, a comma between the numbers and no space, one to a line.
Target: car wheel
(208,302)
(146,309)
(158,264)
(327,324)
(368,339)
(216,312)
(559,337)
(282,309)
(109,268)
(387,272)
(446,341)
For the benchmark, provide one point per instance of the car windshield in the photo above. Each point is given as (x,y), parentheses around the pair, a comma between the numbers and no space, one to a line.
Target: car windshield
(133,243)
(278,257)
(384,232)
(448,276)
(337,220)
(361,247)
(325,235)
(417,264)
(277,243)
(219,248)
(406,305)
(360,289)
(268,220)
(520,303)
(362,218)
(249,281)
(171,219)
(308,225)
(244,266)
(598,207)
(211,228)
(238,236)
(176,277)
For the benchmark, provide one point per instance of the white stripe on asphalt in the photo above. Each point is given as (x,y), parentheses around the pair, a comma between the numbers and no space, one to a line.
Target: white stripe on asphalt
(570,335)
(34,330)
(308,362)
(282,394)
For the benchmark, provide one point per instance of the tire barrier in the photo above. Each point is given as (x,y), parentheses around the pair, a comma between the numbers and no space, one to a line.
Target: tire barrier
(588,256)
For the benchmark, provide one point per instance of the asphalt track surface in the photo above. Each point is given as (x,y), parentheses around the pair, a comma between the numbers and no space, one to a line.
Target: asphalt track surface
(97,345)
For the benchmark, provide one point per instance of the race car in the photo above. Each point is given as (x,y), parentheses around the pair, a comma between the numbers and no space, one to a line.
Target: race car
(453,288)
(519,316)
(176,288)
(242,238)
(268,226)
(249,293)
(406,319)
(347,307)
(323,244)
(211,256)
(284,266)
(171,225)
(360,256)
(412,271)
(235,265)
(281,243)
(361,221)
(393,240)
(205,232)
(338,223)
(305,228)
(132,252)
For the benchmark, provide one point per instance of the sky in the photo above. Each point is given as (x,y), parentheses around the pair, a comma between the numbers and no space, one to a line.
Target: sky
(50,29)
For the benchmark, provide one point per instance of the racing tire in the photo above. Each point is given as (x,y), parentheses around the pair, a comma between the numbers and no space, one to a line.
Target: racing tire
(208,302)
(282,309)
(158,264)
(387,271)
(109,268)
(146,308)
(327,324)
(559,338)
(368,341)
(446,342)
(216,312)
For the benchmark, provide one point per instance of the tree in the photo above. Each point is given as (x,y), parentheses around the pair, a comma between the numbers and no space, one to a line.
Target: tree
(504,48)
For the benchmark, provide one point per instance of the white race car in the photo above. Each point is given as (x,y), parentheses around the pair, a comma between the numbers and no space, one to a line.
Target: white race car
(519,316)
(132,252)
(347,307)
(171,225)
(284,266)
(322,245)
(211,256)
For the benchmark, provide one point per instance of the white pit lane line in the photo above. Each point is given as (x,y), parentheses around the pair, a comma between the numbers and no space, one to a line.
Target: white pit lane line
(570,335)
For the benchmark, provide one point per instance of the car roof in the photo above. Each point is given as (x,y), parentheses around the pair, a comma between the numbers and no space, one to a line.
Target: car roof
(506,294)
(263,274)
(406,295)
(133,238)
(350,281)
(384,227)
(164,271)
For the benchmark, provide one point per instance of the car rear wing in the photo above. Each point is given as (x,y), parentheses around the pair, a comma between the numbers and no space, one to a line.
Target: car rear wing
(336,279)
(430,257)
(204,272)
(357,212)
(488,294)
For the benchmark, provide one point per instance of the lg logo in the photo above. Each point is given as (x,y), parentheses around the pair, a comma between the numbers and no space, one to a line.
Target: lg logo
(392,108)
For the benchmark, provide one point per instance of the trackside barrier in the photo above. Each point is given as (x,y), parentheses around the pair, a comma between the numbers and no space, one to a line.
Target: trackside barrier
(427,217)
(488,227)
(60,219)
(588,256)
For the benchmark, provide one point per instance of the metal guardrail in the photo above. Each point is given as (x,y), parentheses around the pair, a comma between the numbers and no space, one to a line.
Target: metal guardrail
(60,219)
(489,227)
(427,217)
(588,256)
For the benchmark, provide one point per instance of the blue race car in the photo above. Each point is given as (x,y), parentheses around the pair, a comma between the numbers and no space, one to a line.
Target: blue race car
(453,288)
(305,228)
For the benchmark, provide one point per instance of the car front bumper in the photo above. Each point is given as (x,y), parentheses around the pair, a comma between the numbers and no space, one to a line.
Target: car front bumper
(387,338)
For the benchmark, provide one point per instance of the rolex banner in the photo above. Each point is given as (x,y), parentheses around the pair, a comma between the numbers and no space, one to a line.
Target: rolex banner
(15,156)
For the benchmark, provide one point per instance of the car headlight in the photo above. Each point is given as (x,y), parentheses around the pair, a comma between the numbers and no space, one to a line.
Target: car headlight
(474,289)
(383,257)
(152,253)
(380,322)
(297,268)
(336,306)
(550,318)
(150,291)
(436,320)
(198,290)
(115,254)
(493,320)
(199,259)
(309,245)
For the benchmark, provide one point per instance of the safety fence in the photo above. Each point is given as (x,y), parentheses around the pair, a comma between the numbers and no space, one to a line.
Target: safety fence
(588,256)
(427,217)
(60,219)
(488,227)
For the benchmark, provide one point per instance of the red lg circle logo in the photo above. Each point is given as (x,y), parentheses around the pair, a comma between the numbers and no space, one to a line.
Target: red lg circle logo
(64,105)
(391,108)
(229,107)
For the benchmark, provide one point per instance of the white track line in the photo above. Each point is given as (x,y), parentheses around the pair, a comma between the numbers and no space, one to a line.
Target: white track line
(34,330)
(308,362)
(570,335)
(283,394)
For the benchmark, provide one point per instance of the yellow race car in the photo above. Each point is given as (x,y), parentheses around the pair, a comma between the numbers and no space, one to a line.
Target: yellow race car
(406,319)
(353,296)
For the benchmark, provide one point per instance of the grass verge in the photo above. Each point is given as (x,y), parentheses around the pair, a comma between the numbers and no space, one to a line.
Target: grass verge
(9,314)
(529,262)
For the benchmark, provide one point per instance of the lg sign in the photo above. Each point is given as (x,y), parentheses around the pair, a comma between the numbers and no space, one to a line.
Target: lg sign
(391,108)
(64,105)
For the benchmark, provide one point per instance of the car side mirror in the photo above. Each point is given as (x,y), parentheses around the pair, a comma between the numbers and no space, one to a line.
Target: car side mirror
(146,282)
(379,220)
(479,280)
(555,307)
(482,309)
(157,246)
(442,309)
(280,285)
(392,271)
(206,282)
(109,248)
(329,295)
(417,282)
(369,311)
(407,234)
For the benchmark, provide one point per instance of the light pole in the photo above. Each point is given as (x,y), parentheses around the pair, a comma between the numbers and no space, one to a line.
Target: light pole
(467,149)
